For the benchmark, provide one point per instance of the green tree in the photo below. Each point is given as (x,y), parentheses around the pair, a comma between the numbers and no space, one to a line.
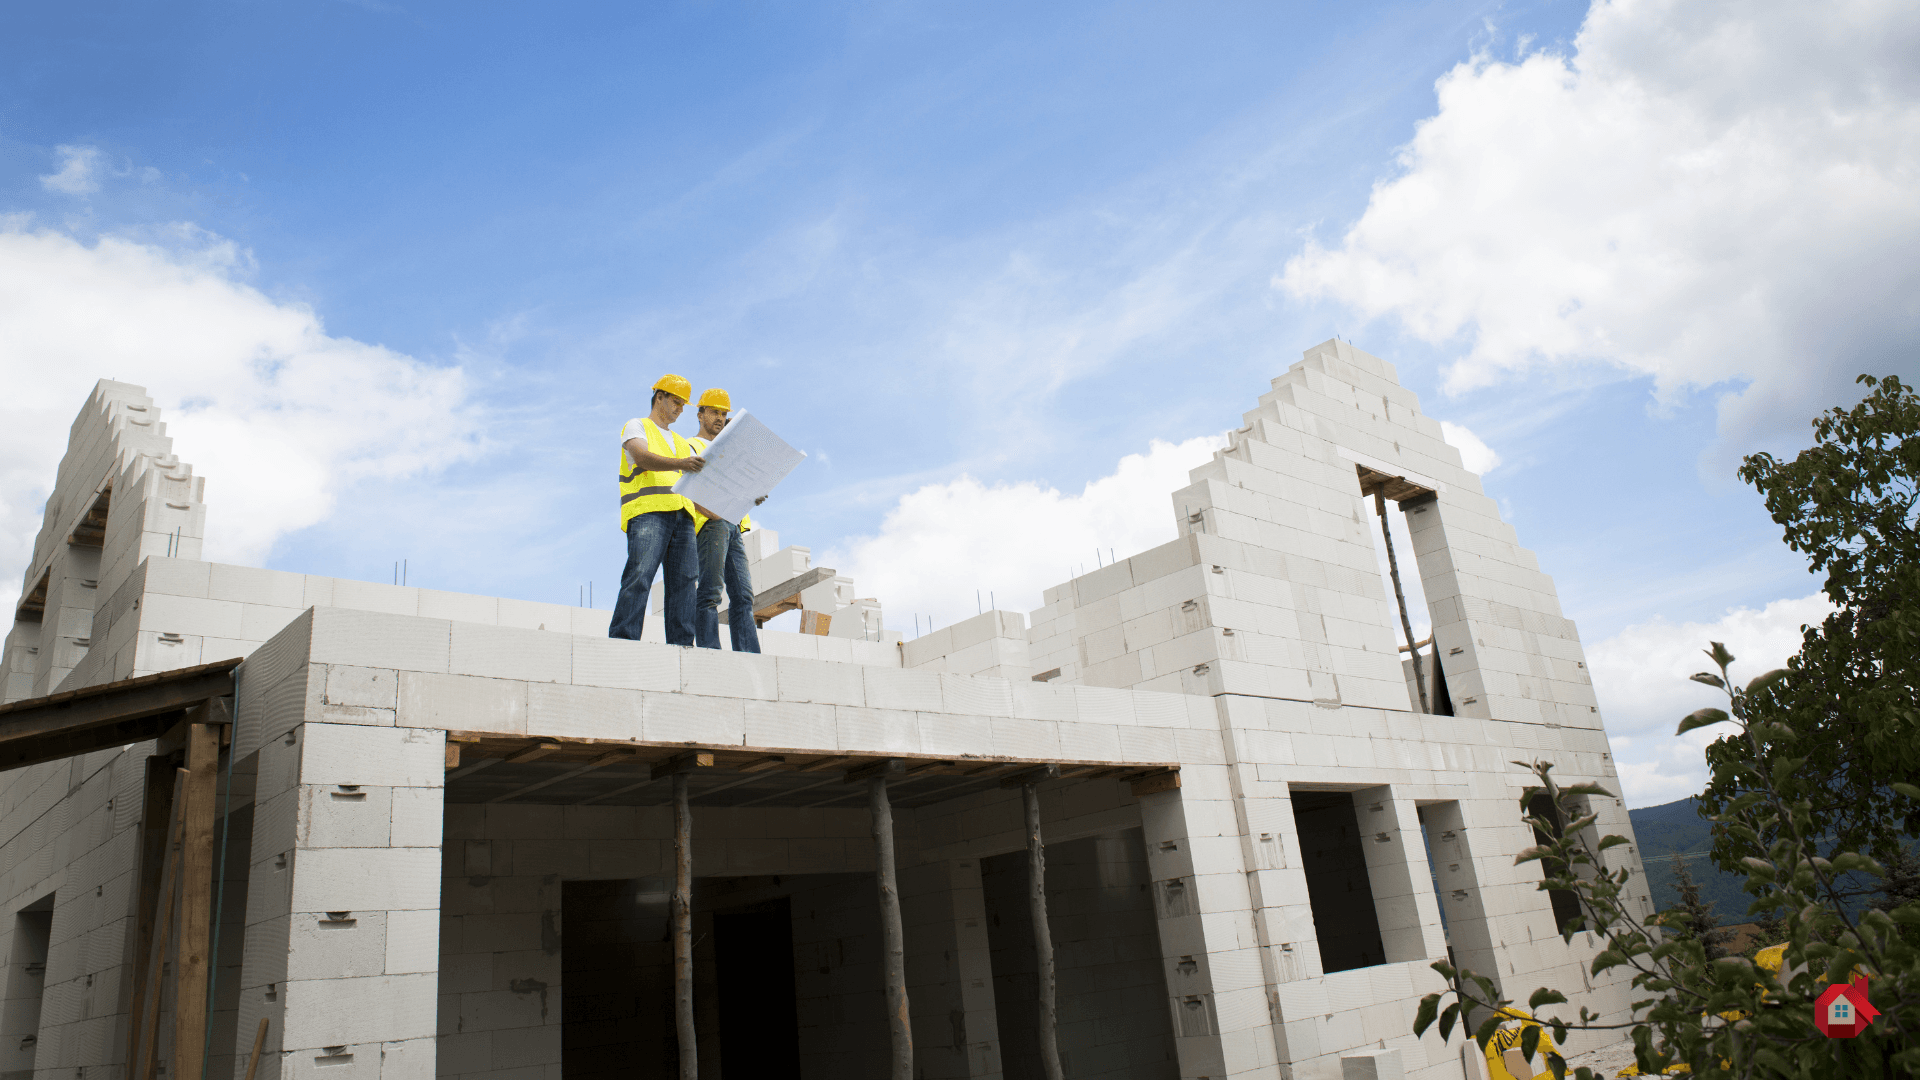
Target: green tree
(1811,790)
(1693,917)
(1852,695)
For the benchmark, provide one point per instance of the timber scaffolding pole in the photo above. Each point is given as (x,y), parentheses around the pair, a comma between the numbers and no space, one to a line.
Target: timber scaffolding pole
(1029,784)
(1399,595)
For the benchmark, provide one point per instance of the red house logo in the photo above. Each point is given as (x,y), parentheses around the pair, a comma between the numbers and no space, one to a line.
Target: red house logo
(1843,1010)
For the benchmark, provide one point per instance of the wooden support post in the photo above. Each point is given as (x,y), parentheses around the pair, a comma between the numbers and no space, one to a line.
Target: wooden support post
(146,1038)
(683,930)
(892,934)
(259,1040)
(204,727)
(156,847)
(1042,933)
(1393,570)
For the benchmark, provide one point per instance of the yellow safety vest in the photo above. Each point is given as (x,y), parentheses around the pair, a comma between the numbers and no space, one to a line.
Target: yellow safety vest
(644,492)
(699,522)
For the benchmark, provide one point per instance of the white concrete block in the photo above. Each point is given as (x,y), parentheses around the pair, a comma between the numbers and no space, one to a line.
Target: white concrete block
(717,721)
(383,1008)
(583,712)
(368,639)
(501,652)
(634,665)
(383,757)
(366,879)
(462,703)
(738,675)
(413,942)
(977,695)
(912,691)
(820,682)
(790,725)
(372,688)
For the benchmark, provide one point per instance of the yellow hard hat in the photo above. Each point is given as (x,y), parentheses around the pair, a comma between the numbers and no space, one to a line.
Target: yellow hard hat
(716,398)
(675,385)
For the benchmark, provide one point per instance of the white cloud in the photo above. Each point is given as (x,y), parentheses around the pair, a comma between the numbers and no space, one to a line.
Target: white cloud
(942,542)
(1640,677)
(1476,454)
(1704,193)
(76,175)
(280,416)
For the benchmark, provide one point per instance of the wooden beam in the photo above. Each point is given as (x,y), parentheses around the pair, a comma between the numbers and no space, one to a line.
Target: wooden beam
(601,762)
(1156,782)
(1029,777)
(683,1026)
(1406,624)
(762,764)
(259,1040)
(785,596)
(829,762)
(532,753)
(1042,932)
(889,767)
(160,830)
(680,764)
(105,717)
(196,890)
(892,934)
(453,756)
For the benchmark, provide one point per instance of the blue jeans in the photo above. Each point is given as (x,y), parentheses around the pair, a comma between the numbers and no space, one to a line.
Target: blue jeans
(664,536)
(723,557)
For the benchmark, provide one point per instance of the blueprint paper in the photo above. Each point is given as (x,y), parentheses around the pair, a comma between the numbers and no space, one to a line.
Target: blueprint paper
(743,463)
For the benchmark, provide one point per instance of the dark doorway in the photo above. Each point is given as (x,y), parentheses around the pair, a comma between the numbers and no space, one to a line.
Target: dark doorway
(616,981)
(1338,888)
(759,1015)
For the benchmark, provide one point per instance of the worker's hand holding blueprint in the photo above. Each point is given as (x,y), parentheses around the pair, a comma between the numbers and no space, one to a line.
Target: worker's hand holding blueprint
(744,462)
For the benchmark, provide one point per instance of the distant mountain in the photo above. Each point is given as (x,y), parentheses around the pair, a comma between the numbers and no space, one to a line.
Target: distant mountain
(1675,831)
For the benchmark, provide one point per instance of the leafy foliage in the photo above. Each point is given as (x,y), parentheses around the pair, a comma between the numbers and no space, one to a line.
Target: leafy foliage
(1850,697)
(1810,793)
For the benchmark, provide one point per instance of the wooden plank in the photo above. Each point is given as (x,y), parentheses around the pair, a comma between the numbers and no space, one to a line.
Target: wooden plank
(817,623)
(785,596)
(679,764)
(196,891)
(453,756)
(1154,783)
(1042,932)
(890,767)
(157,955)
(1029,777)
(614,757)
(157,824)
(259,1040)
(892,934)
(683,1025)
(51,732)
(532,753)
(1406,624)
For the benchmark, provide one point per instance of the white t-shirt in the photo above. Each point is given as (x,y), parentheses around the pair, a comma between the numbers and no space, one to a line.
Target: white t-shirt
(636,429)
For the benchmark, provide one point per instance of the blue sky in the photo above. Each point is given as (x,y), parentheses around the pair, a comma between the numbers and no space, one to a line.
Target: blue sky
(1009,242)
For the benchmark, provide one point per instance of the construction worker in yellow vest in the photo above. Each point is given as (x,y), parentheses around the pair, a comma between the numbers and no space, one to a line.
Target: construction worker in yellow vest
(723,555)
(658,523)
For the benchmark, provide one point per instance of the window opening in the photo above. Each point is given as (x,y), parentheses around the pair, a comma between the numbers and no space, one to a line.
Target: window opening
(1566,906)
(1408,595)
(1339,890)
(26,989)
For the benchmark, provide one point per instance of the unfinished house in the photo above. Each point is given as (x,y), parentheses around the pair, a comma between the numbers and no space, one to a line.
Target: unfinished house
(1205,818)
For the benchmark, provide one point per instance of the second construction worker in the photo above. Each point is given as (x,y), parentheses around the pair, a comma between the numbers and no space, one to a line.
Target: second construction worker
(723,555)
(658,523)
